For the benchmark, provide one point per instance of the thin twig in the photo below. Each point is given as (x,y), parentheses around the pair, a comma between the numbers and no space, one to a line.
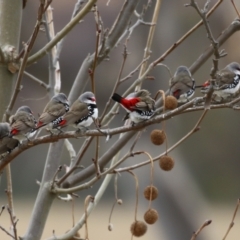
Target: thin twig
(206,223)
(125,54)
(9,193)
(13,222)
(42,52)
(215,45)
(116,200)
(134,71)
(98,33)
(3,207)
(151,176)
(80,154)
(37,80)
(137,186)
(59,46)
(55,176)
(27,49)
(88,199)
(235,7)
(147,50)
(8,233)
(70,148)
(232,221)
(54,69)
(135,141)
(95,162)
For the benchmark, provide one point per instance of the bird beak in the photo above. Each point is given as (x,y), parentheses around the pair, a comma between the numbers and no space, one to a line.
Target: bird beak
(93,99)
(206,84)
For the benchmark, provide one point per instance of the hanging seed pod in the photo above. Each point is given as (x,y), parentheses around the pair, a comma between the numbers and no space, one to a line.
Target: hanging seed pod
(157,137)
(110,227)
(170,103)
(151,216)
(138,228)
(119,202)
(166,163)
(150,190)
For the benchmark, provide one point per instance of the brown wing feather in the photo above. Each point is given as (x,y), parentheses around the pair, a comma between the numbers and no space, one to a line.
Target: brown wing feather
(225,77)
(148,104)
(52,113)
(76,112)
(22,120)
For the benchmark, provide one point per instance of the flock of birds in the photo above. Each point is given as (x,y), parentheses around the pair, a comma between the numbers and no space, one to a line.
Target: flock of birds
(58,114)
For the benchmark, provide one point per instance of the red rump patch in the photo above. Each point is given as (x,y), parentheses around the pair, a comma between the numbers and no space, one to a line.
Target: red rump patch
(129,103)
(39,124)
(14,131)
(206,84)
(62,123)
(176,94)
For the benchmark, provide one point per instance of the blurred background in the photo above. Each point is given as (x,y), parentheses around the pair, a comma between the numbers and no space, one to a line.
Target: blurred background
(204,183)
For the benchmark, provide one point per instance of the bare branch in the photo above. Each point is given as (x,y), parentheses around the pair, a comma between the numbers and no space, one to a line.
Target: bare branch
(54,66)
(27,49)
(206,223)
(40,82)
(8,233)
(62,33)
(232,221)
(70,148)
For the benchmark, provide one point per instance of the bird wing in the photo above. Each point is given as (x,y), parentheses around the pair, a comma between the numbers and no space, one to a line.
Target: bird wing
(76,112)
(181,87)
(147,105)
(52,113)
(22,120)
(225,77)
(8,144)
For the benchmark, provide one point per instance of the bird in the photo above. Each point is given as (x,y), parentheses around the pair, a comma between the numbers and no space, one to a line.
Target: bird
(227,83)
(7,144)
(182,85)
(139,105)
(55,108)
(81,113)
(22,124)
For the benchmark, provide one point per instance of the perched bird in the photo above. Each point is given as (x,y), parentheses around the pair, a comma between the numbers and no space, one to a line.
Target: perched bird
(139,105)
(7,144)
(80,114)
(22,124)
(56,107)
(182,84)
(227,83)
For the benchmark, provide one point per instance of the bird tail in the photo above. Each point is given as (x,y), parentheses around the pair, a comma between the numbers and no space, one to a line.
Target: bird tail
(116,97)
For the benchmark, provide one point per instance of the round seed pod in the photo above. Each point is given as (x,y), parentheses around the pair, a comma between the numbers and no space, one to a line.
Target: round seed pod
(151,216)
(119,202)
(110,227)
(157,137)
(166,163)
(171,102)
(138,228)
(147,193)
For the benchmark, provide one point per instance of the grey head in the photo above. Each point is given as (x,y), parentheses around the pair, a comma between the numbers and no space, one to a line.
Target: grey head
(4,130)
(87,97)
(60,97)
(182,70)
(234,66)
(24,109)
